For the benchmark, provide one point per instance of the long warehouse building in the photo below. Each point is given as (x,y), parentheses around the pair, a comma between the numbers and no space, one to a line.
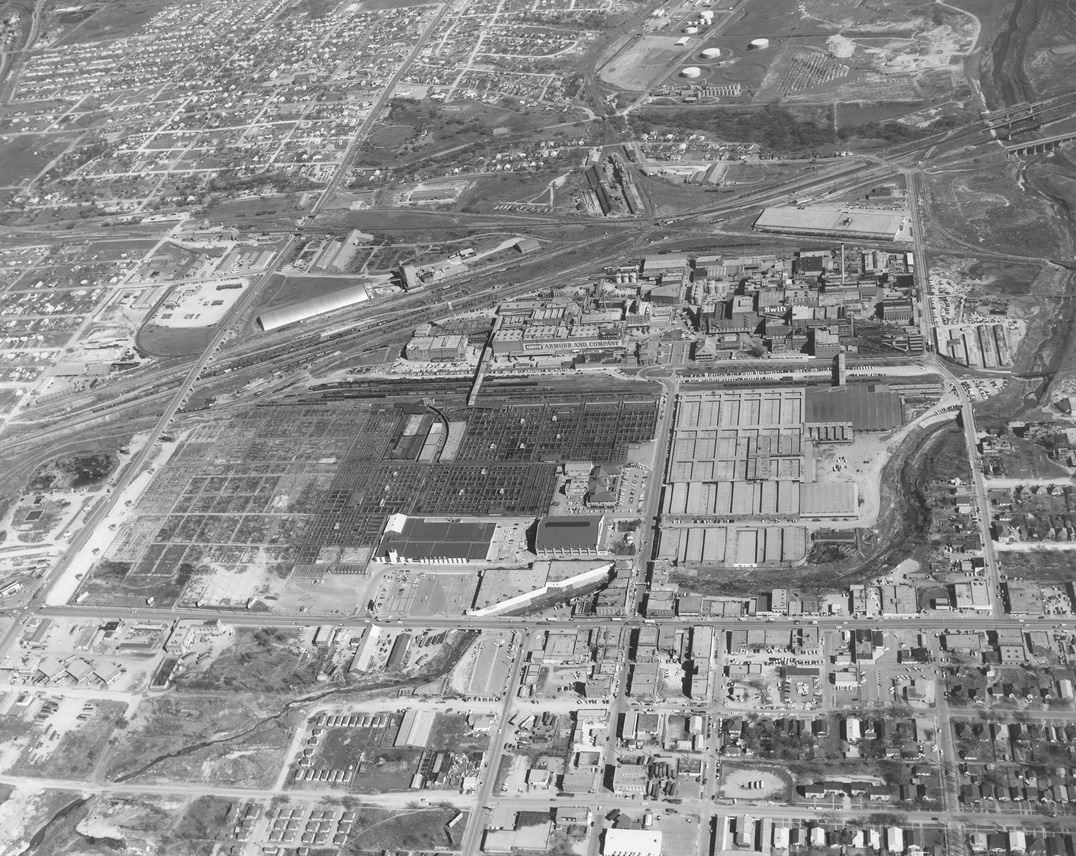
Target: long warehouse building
(836,221)
(274,319)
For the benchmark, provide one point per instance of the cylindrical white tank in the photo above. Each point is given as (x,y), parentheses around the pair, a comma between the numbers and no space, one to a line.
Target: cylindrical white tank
(691,30)
(691,72)
(711,53)
(707,16)
(759,44)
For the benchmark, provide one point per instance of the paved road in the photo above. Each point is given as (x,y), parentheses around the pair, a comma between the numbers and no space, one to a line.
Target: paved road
(476,824)
(936,622)
(527,802)
(922,266)
(926,324)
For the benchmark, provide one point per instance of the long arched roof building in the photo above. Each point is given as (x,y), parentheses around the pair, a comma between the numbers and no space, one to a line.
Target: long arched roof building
(274,319)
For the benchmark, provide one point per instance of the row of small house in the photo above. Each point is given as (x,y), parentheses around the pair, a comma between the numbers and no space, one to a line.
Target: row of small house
(746,833)
(1017,786)
(916,790)
(1017,841)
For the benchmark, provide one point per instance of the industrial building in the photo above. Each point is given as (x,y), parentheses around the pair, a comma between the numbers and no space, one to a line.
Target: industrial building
(560,584)
(415,728)
(738,455)
(866,407)
(293,313)
(728,545)
(631,842)
(761,498)
(569,537)
(530,838)
(330,255)
(434,194)
(434,542)
(836,221)
(555,340)
(549,327)
(430,349)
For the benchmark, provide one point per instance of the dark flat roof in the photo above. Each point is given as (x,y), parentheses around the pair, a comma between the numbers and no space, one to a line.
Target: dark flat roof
(439,539)
(867,407)
(581,531)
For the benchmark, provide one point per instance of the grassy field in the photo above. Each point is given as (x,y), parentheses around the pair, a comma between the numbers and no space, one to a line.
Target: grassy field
(108,584)
(452,733)
(80,749)
(76,471)
(115,20)
(387,769)
(415,131)
(1045,359)
(989,207)
(263,659)
(791,129)
(377,830)
(168,741)
(1029,460)
(276,213)
(203,820)
(173,341)
(24,156)
(1047,566)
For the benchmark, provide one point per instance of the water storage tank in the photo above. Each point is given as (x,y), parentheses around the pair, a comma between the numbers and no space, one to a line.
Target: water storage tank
(711,53)
(759,44)
(691,72)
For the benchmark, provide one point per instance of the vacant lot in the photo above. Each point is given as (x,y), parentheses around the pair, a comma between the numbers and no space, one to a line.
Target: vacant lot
(168,740)
(263,659)
(420,130)
(116,20)
(1052,566)
(989,207)
(773,128)
(377,831)
(24,156)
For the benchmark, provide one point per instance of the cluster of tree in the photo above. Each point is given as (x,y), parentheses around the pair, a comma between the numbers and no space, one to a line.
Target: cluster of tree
(230,181)
(776,129)
(896,132)
(773,128)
